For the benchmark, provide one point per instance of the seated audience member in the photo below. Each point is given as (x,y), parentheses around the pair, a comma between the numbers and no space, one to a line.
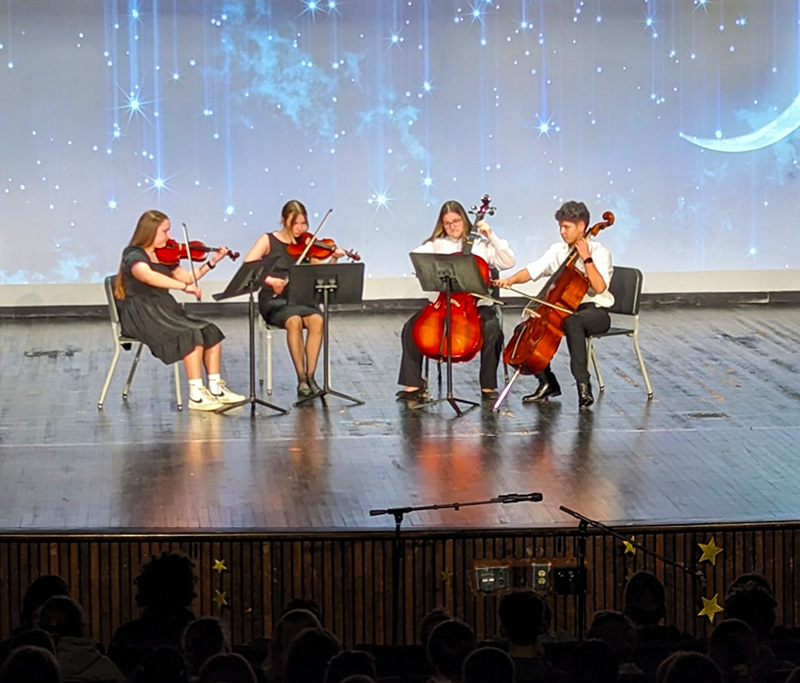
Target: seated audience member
(644,605)
(734,647)
(488,665)
(522,616)
(39,592)
(227,668)
(164,664)
(77,654)
(202,639)
(448,646)
(430,621)
(619,632)
(30,664)
(309,656)
(688,667)
(303,603)
(286,630)
(750,599)
(594,661)
(165,591)
(33,636)
(350,663)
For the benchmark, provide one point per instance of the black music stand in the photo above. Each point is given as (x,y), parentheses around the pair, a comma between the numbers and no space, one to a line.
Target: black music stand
(325,284)
(247,280)
(449,273)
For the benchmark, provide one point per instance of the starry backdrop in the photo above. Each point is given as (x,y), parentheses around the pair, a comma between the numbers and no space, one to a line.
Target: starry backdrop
(679,116)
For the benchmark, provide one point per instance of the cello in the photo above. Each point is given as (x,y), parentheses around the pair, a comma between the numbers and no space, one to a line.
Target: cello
(536,339)
(466,330)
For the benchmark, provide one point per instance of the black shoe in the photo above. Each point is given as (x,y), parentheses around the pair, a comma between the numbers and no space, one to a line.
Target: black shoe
(312,384)
(489,394)
(415,395)
(548,387)
(585,398)
(303,390)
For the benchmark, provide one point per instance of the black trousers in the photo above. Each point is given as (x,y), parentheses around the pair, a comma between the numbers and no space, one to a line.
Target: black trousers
(491,351)
(586,321)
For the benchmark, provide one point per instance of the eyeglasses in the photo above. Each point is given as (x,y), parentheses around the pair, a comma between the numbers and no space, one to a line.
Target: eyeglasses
(453,223)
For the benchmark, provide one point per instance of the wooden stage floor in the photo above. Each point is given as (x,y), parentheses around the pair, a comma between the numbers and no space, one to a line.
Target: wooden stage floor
(719,442)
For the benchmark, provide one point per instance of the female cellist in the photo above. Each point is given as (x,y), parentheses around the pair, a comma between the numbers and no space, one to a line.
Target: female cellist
(594,260)
(450,234)
(148,312)
(273,298)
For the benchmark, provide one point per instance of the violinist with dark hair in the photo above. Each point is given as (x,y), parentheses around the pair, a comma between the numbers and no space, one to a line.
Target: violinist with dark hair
(592,317)
(273,298)
(149,313)
(451,234)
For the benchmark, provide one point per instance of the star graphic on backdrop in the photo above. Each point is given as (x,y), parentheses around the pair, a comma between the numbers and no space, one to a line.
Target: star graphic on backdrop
(629,549)
(221,598)
(710,551)
(447,577)
(219,566)
(710,608)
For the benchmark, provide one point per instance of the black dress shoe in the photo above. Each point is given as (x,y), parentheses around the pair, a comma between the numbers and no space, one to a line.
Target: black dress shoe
(548,387)
(415,395)
(585,398)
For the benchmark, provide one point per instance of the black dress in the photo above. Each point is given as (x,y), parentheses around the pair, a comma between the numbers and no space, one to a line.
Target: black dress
(275,308)
(151,315)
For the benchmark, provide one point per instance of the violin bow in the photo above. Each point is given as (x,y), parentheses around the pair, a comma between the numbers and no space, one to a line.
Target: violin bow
(539,301)
(189,253)
(313,237)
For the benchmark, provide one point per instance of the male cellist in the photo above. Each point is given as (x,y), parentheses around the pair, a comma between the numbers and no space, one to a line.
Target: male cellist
(594,260)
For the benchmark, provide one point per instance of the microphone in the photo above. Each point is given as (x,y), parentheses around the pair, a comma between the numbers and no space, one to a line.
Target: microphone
(520,498)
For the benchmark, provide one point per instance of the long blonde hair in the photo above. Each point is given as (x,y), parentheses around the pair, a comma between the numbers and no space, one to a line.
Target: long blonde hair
(143,236)
(451,206)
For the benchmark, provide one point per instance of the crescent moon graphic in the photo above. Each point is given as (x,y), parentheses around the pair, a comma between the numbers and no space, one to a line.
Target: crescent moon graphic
(774,131)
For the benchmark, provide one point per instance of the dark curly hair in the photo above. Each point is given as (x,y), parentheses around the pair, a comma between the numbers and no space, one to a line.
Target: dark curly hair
(167,580)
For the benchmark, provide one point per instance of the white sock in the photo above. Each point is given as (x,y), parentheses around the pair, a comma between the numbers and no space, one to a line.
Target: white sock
(195,385)
(213,383)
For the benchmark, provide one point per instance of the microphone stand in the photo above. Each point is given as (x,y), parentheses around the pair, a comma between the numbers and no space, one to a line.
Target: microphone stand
(397,547)
(583,526)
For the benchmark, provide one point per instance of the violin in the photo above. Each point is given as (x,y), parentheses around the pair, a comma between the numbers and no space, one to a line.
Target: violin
(173,252)
(536,339)
(319,249)
(466,328)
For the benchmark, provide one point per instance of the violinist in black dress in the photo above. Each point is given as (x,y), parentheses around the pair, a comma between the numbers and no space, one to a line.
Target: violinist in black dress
(273,298)
(149,313)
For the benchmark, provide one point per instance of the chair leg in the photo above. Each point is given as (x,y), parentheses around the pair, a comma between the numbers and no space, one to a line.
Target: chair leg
(645,376)
(601,385)
(260,355)
(107,383)
(178,396)
(134,365)
(269,362)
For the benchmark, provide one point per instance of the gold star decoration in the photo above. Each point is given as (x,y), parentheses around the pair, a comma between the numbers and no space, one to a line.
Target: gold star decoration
(629,549)
(710,608)
(221,598)
(219,566)
(447,577)
(710,551)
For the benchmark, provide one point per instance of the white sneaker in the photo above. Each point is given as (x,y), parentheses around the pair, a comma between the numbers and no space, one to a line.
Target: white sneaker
(206,401)
(225,395)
